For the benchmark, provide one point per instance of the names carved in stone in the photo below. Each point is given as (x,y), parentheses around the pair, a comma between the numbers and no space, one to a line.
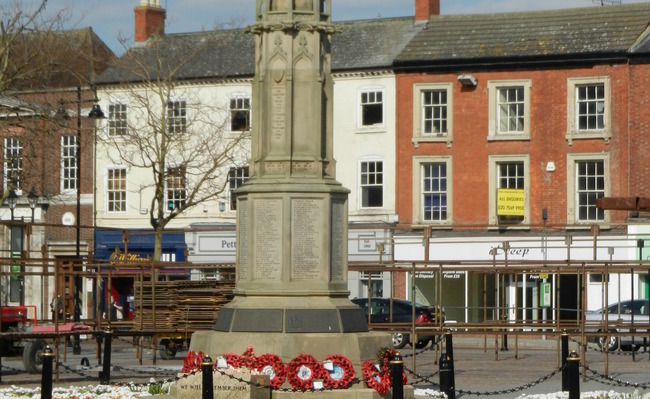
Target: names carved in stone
(278,118)
(268,239)
(242,248)
(306,239)
(337,241)
(227,384)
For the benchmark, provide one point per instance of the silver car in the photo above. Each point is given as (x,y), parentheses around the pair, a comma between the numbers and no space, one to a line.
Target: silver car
(619,317)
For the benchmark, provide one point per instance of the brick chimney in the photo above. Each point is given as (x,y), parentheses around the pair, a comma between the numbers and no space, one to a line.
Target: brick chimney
(424,9)
(149,20)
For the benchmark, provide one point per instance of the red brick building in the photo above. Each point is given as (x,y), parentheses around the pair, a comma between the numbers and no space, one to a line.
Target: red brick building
(550,104)
(509,127)
(43,122)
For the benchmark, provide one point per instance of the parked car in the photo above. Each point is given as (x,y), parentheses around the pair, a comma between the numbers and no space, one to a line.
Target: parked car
(402,314)
(620,317)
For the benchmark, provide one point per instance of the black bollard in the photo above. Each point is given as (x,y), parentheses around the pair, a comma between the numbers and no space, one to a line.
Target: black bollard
(574,375)
(397,370)
(565,355)
(105,374)
(449,348)
(206,371)
(2,345)
(46,377)
(446,376)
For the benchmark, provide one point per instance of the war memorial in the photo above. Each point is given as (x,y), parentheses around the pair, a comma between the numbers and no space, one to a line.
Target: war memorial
(291,293)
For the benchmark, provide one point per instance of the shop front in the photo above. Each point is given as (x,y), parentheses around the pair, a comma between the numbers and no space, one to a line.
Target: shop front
(116,294)
(462,275)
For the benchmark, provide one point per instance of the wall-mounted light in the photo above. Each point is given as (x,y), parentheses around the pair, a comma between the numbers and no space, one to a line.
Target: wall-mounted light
(467,80)
(222,206)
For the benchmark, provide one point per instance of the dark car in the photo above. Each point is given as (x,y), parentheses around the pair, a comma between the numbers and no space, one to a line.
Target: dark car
(619,317)
(402,314)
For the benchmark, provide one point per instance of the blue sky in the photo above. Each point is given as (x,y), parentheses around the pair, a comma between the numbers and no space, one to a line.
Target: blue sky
(112,19)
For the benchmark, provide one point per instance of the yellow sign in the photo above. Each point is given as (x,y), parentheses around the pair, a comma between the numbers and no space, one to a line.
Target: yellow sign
(510,202)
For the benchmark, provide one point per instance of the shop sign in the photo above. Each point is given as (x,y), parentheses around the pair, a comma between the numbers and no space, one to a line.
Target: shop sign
(545,297)
(130,257)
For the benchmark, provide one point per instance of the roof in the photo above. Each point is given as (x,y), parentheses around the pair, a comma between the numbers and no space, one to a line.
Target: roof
(364,44)
(557,34)
(58,59)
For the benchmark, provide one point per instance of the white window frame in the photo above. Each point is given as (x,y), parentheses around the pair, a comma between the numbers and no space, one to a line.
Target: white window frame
(107,191)
(13,147)
(69,164)
(573,131)
(238,178)
(372,90)
(114,131)
(572,197)
(419,136)
(493,175)
(418,210)
(243,98)
(375,184)
(183,190)
(176,124)
(494,129)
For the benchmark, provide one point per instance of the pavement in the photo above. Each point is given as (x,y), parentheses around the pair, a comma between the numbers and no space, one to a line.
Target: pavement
(482,367)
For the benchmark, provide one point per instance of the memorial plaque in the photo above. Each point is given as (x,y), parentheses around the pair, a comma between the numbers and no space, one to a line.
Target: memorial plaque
(226,384)
(306,239)
(242,248)
(268,239)
(278,121)
(337,238)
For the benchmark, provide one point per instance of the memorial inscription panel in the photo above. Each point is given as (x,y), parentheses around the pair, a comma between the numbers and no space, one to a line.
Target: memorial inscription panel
(306,239)
(242,248)
(337,241)
(268,239)
(278,121)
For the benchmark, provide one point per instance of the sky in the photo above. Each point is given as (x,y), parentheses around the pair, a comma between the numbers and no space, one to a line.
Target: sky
(114,19)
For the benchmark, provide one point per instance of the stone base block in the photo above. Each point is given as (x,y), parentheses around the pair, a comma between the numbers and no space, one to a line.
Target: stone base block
(358,347)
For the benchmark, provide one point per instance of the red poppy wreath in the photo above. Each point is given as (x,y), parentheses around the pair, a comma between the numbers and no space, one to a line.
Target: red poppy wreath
(192,361)
(376,377)
(272,366)
(302,371)
(339,372)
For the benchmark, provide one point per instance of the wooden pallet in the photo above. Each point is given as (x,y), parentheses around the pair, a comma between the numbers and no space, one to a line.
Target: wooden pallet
(181,305)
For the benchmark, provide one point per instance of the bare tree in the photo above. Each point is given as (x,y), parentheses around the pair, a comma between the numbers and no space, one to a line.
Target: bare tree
(176,133)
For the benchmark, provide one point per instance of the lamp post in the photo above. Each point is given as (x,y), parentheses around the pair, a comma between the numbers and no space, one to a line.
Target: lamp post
(32,198)
(95,113)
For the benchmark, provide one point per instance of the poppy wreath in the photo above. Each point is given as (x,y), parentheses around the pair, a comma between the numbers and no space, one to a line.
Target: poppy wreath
(192,361)
(387,354)
(376,377)
(302,370)
(248,359)
(232,359)
(272,365)
(342,374)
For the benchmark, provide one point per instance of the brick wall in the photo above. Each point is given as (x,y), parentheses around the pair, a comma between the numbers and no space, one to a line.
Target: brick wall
(548,128)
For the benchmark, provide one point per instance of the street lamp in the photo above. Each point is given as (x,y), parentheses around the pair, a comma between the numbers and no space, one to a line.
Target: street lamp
(12,201)
(95,113)
(32,198)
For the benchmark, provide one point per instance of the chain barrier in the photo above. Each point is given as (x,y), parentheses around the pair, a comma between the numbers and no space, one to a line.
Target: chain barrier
(3,367)
(613,381)
(422,378)
(512,390)
(597,348)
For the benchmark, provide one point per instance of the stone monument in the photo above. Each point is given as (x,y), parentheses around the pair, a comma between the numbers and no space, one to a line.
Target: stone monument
(291,293)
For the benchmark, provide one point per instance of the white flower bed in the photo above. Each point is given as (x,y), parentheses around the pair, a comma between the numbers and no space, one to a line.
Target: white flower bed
(135,392)
(430,393)
(85,392)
